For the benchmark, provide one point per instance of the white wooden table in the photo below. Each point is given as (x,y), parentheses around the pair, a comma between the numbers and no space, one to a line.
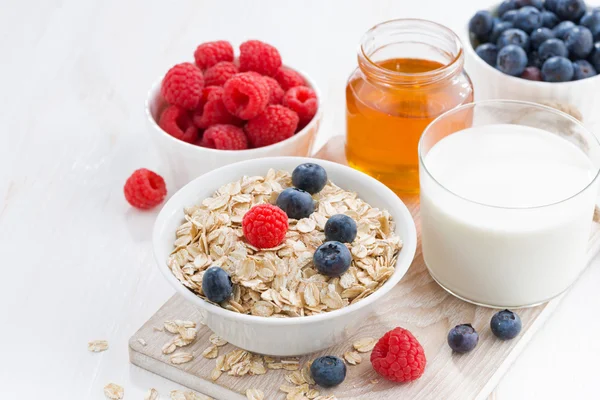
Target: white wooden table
(76,259)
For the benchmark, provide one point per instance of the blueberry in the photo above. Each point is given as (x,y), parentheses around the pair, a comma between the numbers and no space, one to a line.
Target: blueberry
(488,53)
(506,5)
(539,4)
(571,10)
(332,259)
(534,60)
(552,48)
(550,5)
(532,74)
(583,69)
(309,177)
(340,228)
(481,24)
(561,30)
(499,28)
(509,16)
(591,20)
(595,56)
(528,19)
(513,36)
(539,36)
(549,19)
(216,285)
(557,69)
(463,338)
(505,325)
(328,371)
(296,203)
(580,42)
(512,60)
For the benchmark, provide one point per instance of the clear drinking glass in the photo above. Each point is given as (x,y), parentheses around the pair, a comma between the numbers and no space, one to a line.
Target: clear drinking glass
(507,256)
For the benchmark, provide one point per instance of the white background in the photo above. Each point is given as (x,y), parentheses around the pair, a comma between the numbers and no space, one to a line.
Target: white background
(76,259)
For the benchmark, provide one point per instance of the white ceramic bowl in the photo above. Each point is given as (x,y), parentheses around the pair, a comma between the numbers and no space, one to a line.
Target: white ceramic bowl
(187,161)
(283,336)
(491,84)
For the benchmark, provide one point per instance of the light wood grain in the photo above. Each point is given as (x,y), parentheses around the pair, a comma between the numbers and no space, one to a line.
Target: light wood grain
(416,303)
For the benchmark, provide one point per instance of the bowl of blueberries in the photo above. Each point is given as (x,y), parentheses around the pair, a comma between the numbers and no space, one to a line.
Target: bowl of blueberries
(545,51)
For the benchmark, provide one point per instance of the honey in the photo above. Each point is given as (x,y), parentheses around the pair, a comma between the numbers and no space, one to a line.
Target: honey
(390,100)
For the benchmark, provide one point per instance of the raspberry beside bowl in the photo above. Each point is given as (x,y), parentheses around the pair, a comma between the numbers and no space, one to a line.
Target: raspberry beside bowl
(283,336)
(188,161)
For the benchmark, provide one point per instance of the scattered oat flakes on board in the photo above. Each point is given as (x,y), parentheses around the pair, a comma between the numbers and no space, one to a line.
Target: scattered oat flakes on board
(97,346)
(113,391)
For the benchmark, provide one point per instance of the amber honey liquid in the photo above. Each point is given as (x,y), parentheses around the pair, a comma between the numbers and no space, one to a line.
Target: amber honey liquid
(385,122)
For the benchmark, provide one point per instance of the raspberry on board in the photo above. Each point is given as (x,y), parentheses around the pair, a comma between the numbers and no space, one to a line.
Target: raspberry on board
(398,356)
(277,123)
(304,101)
(265,226)
(182,86)
(225,137)
(210,53)
(276,93)
(246,95)
(219,73)
(288,78)
(145,189)
(260,57)
(177,122)
(214,112)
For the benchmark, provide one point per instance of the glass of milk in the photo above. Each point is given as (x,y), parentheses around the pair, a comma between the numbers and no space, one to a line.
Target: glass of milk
(507,203)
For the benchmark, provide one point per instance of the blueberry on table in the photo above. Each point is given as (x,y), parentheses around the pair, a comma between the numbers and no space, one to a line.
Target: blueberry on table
(580,42)
(340,228)
(512,60)
(216,285)
(509,16)
(481,24)
(309,177)
(552,48)
(505,325)
(595,56)
(539,36)
(557,69)
(538,4)
(332,259)
(506,5)
(463,338)
(513,36)
(528,19)
(583,69)
(488,53)
(499,28)
(296,203)
(560,30)
(571,10)
(532,74)
(328,371)
(549,19)
(591,20)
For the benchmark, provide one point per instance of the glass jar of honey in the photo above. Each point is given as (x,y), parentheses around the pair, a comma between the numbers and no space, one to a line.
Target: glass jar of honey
(409,72)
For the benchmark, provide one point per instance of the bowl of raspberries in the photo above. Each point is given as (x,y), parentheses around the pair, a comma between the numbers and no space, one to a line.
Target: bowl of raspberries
(222,108)
(546,51)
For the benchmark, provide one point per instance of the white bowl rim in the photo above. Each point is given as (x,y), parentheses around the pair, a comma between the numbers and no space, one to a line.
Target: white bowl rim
(303,132)
(409,247)
(471,50)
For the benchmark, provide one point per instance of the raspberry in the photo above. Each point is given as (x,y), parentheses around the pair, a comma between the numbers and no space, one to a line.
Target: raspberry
(145,189)
(304,101)
(265,226)
(219,73)
(210,53)
(225,137)
(275,91)
(260,57)
(277,123)
(209,93)
(177,122)
(398,356)
(214,112)
(182,86)
(288,78)
(245,95)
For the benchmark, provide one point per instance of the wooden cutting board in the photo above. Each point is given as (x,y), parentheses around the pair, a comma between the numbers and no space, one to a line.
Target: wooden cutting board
(417,303)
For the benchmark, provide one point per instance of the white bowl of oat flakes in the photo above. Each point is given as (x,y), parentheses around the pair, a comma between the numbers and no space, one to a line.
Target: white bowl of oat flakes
(281,305)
